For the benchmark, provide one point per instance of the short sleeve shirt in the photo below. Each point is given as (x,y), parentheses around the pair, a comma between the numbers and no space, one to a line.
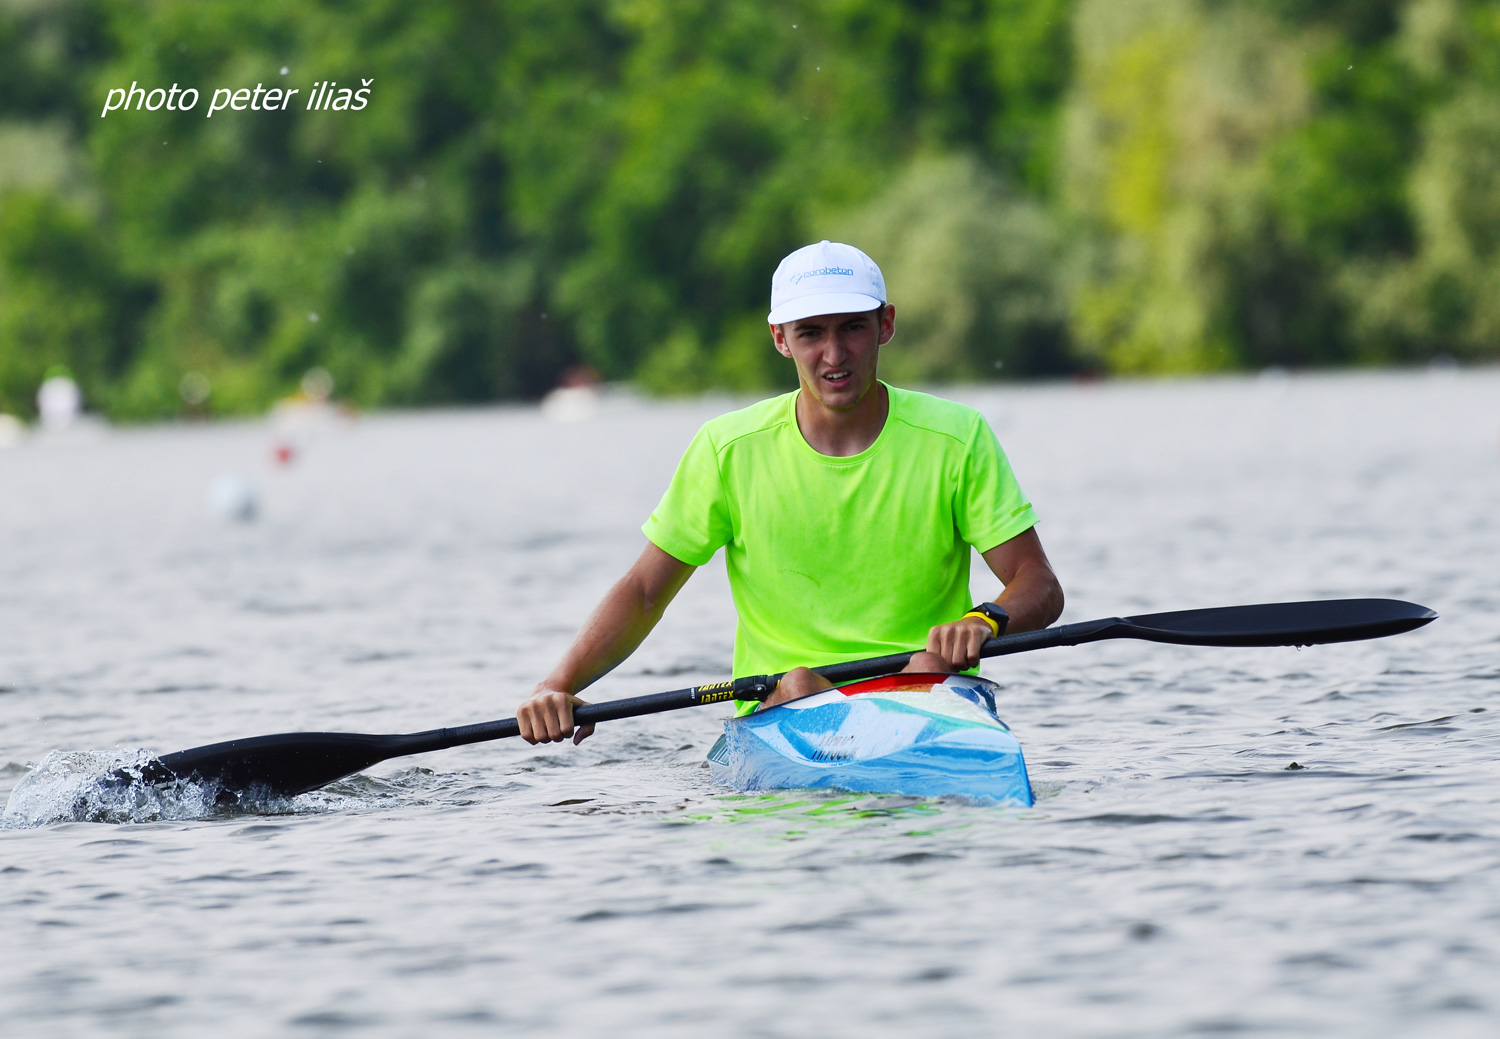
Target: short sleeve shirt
(833,559)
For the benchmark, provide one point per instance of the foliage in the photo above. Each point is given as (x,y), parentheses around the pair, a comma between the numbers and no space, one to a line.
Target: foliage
(975,262)
(1278,183)
(1124,185)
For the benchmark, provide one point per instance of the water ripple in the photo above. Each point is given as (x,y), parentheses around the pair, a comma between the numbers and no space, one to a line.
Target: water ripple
(1290,843)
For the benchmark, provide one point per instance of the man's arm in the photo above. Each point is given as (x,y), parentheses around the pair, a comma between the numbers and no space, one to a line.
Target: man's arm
(617,626)
(1032,596)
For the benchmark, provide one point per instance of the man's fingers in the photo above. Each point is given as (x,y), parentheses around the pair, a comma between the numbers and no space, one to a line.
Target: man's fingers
(583,732)
(958,644)
(560,719)
(548,718)
(551,718)
(946,642)
(935,640)
(534,724)
(952,654)
(974,643)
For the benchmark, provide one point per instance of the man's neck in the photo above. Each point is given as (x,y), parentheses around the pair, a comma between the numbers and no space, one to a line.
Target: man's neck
(841,434)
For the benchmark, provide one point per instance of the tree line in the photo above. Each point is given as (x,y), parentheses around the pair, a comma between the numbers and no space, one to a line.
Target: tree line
(1051,186)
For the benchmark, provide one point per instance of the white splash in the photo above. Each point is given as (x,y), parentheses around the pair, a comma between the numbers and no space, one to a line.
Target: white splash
(100,787)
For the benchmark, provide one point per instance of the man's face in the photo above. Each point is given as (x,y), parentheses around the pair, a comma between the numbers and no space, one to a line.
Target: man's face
(836,354)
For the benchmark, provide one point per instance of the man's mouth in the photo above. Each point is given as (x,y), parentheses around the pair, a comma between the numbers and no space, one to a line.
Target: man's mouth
(838,376)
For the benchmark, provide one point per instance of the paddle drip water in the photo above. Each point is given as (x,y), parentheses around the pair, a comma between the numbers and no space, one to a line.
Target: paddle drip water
(94,786)
(87,786)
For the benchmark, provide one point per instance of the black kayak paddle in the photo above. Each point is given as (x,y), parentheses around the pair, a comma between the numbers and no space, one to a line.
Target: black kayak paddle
(293,763)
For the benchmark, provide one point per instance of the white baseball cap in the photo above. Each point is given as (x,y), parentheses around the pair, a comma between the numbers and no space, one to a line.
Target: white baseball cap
(827,278)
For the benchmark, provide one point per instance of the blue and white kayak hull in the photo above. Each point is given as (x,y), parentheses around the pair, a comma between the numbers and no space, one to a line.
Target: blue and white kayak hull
(921,734)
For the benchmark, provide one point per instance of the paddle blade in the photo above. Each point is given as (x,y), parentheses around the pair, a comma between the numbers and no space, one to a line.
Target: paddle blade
(283,765)
(1282,623)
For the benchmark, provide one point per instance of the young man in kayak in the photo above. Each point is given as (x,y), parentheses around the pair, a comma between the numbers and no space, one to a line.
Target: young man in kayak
(846,510)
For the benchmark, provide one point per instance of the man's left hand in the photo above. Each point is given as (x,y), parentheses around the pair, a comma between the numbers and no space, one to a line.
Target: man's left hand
(957,644)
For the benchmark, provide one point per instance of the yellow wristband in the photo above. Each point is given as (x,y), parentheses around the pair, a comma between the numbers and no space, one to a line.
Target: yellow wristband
(994,627)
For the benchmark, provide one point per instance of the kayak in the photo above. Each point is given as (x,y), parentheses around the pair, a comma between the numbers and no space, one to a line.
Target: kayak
(923,734)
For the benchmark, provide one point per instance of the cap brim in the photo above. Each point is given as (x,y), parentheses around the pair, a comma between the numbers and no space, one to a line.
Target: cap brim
(826,303)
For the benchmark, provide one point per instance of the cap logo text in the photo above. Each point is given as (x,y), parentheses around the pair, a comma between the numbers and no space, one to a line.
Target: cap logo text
(797,278)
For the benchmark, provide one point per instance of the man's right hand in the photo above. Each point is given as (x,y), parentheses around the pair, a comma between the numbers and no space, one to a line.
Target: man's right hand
(547,717)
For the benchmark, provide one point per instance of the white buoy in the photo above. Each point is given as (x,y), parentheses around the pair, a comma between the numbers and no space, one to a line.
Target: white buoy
(59,401)
(12,431)
(576,397)
(232,497)
(570,404)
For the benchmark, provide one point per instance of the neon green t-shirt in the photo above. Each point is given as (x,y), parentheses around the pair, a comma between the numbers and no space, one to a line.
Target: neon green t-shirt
(834,559)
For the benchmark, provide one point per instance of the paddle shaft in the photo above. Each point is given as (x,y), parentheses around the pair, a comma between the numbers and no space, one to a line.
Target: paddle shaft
(756,687)
(293,763)
(1276,624)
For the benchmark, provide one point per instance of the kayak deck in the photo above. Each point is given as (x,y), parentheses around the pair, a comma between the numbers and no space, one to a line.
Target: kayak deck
(921,734)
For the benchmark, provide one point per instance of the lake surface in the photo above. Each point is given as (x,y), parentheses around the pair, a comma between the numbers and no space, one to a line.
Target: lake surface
(1176,877)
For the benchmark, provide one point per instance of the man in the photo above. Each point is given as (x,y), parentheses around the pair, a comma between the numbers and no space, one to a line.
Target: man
(846,510)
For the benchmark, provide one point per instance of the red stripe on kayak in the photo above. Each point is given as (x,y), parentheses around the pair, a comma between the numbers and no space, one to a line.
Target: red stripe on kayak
(916,681)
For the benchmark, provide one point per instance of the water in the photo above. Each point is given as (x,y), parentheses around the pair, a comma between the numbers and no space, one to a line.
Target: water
(1177,877)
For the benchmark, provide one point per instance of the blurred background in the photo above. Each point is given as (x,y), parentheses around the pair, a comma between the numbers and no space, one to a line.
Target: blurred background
(539,188)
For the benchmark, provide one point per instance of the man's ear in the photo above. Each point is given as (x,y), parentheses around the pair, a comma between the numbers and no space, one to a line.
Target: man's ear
(887,323)
(778,337)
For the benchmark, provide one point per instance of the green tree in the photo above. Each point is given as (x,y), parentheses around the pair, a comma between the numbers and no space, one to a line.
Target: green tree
(1132,185)
(62,301)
